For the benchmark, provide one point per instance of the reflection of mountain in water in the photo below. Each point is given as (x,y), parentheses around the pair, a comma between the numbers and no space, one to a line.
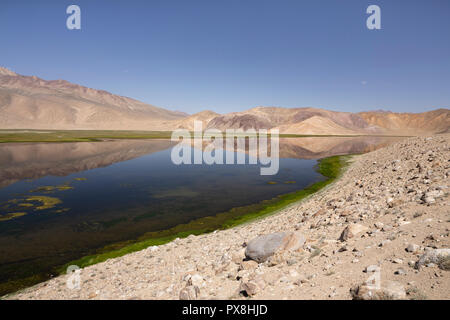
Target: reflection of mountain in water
(321,147)
(36,160)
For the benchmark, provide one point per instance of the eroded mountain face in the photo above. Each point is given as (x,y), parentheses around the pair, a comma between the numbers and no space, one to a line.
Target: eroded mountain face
(28,102)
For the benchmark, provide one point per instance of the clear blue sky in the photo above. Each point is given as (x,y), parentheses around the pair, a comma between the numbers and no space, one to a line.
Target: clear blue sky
(231,55)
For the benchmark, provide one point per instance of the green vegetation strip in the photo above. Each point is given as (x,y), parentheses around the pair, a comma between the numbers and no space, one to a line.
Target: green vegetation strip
(12,136)
(15,136)
(330,168)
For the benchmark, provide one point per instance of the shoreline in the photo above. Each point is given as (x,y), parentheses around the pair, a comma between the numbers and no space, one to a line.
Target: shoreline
(397,196)
(330,168)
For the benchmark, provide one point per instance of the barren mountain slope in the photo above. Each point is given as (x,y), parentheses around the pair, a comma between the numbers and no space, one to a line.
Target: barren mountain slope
(188,123)
(316,125)
(436,121)
(34,103)
(296,121)
(325,122)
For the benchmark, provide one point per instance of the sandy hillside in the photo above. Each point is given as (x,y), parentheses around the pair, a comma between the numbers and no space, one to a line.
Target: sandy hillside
(29,102)
(388,216)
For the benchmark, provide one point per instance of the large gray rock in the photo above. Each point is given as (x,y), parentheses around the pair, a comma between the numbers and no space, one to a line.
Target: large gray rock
(263,247)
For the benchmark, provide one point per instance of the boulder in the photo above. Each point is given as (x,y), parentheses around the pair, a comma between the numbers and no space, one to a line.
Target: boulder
(261,248)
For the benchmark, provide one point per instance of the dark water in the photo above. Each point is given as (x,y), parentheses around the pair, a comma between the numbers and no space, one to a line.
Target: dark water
(59,202)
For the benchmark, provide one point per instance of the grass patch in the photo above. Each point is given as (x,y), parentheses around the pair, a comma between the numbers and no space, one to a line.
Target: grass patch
(29,135)
(8,136)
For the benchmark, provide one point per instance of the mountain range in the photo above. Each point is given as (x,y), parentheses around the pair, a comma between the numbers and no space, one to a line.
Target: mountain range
(29,102)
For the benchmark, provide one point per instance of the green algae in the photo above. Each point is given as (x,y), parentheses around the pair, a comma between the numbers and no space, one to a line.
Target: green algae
(330,168)
(45,202)
(51,189)
(12,215)
(28,205)
(61,210)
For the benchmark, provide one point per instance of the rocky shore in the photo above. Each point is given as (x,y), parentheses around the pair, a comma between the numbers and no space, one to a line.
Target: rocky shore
(381,231)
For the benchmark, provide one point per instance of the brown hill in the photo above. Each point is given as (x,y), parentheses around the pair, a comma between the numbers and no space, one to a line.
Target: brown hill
(296,121)
(436,121)
(314,121)
(188,122)
(33,103)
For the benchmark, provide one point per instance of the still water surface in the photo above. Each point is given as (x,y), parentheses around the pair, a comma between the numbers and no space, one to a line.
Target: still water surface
(62,201)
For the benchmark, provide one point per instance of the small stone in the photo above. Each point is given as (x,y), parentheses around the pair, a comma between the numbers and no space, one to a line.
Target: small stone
(293,273)
(195,280)
(372,268)
(189,293)
(301,279)
(248,265)
(400,272)
(248,288)
(291,262)
(384,242)
(412,248)
(351,231)
(379,225)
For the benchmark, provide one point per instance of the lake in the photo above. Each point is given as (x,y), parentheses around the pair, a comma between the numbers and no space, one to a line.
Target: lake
(63,201)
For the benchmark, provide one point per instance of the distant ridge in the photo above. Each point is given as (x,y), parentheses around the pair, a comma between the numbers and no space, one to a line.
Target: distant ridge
(28,102)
